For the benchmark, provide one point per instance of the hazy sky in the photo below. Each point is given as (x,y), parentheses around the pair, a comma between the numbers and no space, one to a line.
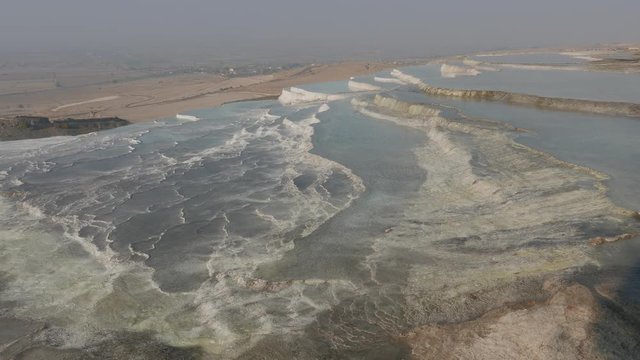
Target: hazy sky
(263,28)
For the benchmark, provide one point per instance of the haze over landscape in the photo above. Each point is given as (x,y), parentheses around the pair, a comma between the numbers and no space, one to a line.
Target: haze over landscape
(373,180)
(319,29)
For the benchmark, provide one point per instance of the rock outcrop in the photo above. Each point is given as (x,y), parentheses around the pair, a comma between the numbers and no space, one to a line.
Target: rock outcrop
(610,108)
(566,326)
(30,127)
(404,107)
(596,107)
(30,122)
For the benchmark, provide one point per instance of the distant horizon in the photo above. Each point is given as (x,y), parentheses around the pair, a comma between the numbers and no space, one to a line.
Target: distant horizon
(202,56)
(287,29)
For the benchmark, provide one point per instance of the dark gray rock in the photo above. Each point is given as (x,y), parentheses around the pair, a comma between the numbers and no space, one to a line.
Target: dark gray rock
(32,127)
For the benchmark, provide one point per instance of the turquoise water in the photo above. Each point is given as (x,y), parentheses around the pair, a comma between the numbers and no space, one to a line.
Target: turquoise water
(607,144)
(380,153)
(534,58)
(606,86)
(188,213)
(620,55)
(333,87)
(263,223)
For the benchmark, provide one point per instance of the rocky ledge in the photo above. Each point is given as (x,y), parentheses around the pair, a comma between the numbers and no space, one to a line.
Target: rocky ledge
(561,104)
(31,127)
